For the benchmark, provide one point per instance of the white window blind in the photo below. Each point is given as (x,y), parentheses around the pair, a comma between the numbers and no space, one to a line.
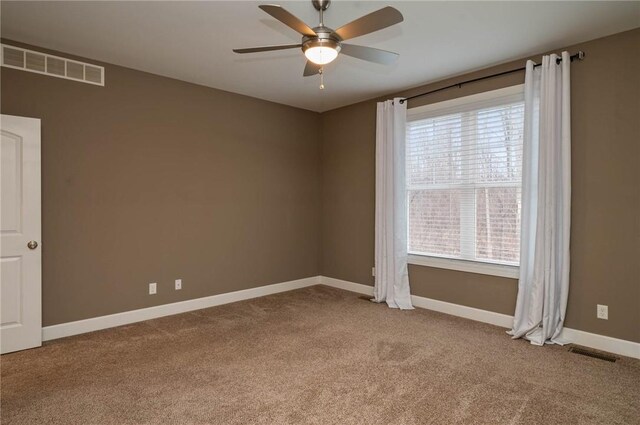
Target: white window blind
(464,174)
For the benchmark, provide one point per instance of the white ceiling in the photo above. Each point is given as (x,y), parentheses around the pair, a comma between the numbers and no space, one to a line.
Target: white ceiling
(192,41)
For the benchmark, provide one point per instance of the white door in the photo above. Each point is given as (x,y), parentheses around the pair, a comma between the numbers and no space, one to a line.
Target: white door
(20,267)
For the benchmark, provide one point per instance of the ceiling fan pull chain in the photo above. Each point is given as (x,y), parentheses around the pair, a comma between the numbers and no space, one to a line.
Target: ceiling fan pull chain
(321,78)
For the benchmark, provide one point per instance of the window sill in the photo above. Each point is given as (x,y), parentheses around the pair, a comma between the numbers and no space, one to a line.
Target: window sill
(501,270)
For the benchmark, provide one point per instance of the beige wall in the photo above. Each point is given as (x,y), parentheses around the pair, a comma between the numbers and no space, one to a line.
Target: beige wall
(605,234)
(150,179)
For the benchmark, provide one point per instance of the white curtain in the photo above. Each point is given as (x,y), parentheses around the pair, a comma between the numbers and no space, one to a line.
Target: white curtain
(546,203)
(392,276)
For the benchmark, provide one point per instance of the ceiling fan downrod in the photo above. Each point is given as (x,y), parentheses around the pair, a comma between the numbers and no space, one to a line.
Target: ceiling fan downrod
(321,6)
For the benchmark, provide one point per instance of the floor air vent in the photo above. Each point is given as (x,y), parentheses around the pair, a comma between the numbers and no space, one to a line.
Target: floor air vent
(595,355)
(54,66)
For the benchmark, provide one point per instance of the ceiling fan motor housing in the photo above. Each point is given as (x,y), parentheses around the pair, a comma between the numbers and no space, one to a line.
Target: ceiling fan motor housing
(326,37)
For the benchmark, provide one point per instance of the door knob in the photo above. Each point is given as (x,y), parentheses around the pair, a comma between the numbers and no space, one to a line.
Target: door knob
(32,244)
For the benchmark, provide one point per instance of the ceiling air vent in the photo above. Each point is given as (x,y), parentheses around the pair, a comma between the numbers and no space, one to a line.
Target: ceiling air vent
(12,57)
(55,66)
(35,62)
(75,70)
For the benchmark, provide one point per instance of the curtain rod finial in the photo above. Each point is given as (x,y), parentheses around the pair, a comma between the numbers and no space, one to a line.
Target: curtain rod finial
(580,55)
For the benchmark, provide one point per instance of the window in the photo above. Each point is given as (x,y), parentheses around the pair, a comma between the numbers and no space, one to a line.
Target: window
(464,174)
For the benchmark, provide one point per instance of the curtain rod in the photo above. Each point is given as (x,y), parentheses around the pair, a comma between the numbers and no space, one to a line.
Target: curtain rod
(577,56)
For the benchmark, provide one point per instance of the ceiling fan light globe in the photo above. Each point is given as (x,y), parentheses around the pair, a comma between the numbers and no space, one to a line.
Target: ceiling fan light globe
(321,55)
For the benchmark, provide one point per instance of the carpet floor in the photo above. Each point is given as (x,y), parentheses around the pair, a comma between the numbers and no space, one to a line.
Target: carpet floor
(313,356)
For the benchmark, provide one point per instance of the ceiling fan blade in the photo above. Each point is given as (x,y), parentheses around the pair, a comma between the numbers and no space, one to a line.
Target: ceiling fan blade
(311,69)
(267,48)
(288,19)
(369,54)
(374,21)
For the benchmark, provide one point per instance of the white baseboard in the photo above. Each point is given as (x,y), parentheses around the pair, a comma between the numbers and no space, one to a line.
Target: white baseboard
(573,336)
(346,285)
(498,319)
(599,342)
(430,304)
(112,320)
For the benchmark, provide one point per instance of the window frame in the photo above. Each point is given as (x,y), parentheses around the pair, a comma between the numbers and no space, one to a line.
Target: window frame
(493,268)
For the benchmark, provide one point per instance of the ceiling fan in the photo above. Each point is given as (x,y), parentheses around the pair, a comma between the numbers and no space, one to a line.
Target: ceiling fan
(322,44)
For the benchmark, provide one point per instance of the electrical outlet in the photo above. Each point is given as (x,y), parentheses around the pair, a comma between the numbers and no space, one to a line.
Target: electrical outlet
(153,288)
(603,312)
(178,284)
(373,271)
